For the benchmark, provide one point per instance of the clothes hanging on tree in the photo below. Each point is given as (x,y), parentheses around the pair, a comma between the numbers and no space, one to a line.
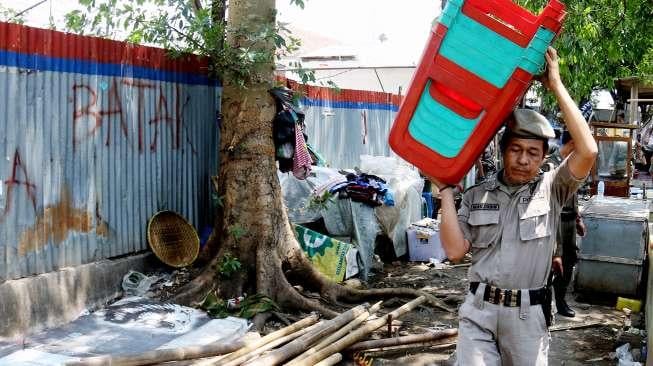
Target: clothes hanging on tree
(302,160)
(287,131)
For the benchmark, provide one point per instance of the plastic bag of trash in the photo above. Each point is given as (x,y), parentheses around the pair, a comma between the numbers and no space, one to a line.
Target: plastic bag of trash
(625,357)
(623,352)
(628,363)
(137,284)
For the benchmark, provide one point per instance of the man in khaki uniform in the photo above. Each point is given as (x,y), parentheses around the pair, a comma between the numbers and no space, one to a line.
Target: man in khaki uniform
(508,223)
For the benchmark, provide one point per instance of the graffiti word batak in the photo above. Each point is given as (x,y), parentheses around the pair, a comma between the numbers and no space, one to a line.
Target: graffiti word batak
(135,106)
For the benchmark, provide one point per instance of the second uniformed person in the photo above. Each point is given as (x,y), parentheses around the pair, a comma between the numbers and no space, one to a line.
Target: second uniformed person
(508,223)
(566,254)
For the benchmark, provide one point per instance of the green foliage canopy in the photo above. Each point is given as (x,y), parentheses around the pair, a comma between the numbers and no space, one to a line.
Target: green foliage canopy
(602,40)
(183,27)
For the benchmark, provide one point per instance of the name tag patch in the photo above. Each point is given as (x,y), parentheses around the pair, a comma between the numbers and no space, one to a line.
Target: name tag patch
(528,199)
(485,207)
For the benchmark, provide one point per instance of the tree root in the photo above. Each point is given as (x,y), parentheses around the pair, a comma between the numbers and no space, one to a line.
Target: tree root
(195,290)
(293,299)
(274,282)
(350,294)
(277,286)
(260,319)
(303,269)
(284,319)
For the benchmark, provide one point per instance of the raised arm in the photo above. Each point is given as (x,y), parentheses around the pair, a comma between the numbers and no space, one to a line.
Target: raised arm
(582,159)
(451,235)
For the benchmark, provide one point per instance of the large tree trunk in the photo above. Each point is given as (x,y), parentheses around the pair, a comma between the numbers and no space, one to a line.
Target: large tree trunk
(253,226)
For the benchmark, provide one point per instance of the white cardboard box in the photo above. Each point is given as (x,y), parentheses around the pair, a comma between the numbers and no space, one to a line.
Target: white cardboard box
(421,250)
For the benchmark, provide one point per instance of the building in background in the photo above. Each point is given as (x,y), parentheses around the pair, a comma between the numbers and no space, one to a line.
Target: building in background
(376,66)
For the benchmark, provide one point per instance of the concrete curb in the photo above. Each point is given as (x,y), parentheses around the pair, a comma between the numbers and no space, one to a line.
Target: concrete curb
(34,303)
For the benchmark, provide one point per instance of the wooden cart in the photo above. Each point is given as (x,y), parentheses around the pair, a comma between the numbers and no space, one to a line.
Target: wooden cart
(615,138)
(613,163)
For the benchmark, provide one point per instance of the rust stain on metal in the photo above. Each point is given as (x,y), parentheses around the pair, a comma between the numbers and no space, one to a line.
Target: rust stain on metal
(56,222)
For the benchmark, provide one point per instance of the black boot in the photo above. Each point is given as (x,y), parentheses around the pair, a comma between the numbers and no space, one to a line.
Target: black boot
(560,291)
(564,309)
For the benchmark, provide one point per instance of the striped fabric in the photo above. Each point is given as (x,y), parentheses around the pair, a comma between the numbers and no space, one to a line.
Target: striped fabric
(302,161)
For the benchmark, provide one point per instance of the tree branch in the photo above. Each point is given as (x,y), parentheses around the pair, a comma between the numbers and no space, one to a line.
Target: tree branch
(17,15)
(189,38)
(184,35)
(196,5)
(218,12)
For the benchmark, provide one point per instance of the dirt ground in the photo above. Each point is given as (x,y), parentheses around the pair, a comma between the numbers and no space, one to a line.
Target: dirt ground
(583,346)
(591,345)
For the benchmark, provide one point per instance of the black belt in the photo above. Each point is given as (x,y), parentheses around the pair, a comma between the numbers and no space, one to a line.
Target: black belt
(498,296)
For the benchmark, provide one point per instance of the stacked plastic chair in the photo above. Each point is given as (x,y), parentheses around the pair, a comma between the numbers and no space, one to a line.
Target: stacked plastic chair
(479,61)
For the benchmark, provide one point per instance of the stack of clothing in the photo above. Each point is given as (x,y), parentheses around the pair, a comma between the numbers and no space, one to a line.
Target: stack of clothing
(365,188)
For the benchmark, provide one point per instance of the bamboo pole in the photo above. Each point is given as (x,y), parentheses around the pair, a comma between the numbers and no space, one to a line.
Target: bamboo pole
(163,355)
(271,345)
(358,334)
(298,345)
(557,328)
(398,341)
(406,348)
(330,361)
(340,333)
(190,353)
(268,338)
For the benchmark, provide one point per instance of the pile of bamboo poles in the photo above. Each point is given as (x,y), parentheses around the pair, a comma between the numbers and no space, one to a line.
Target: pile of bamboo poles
(306,342)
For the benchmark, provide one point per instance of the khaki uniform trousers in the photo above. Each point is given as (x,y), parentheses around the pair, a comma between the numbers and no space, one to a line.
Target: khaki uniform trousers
(492,335)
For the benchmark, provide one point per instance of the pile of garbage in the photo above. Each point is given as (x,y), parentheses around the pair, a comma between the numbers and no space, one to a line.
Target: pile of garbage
(633,349)
(631,357)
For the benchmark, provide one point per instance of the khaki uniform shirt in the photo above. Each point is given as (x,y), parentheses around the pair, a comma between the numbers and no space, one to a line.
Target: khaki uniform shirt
(512,235)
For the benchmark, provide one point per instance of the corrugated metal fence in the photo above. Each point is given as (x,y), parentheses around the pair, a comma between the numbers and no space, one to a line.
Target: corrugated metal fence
(345,124)
(95,137)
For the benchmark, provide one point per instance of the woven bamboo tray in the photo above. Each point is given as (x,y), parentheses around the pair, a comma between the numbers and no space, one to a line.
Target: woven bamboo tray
(173,239)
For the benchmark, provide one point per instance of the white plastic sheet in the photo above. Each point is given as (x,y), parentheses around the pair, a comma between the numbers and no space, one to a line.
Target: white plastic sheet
(32,357)
(297,194)
(130,326)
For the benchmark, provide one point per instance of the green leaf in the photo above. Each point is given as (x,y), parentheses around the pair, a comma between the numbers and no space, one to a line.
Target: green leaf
(214,306)
(255,304)
(228,265)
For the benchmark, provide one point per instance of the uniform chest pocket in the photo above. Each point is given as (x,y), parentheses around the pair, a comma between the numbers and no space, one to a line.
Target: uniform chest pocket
(484,227)
(534,220)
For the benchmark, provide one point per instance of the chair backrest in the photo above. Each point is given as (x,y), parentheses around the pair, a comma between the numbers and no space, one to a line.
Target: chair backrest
(480,59)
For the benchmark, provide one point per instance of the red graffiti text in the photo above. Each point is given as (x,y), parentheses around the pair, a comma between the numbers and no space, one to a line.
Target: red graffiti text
(18,178)
(90,117)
